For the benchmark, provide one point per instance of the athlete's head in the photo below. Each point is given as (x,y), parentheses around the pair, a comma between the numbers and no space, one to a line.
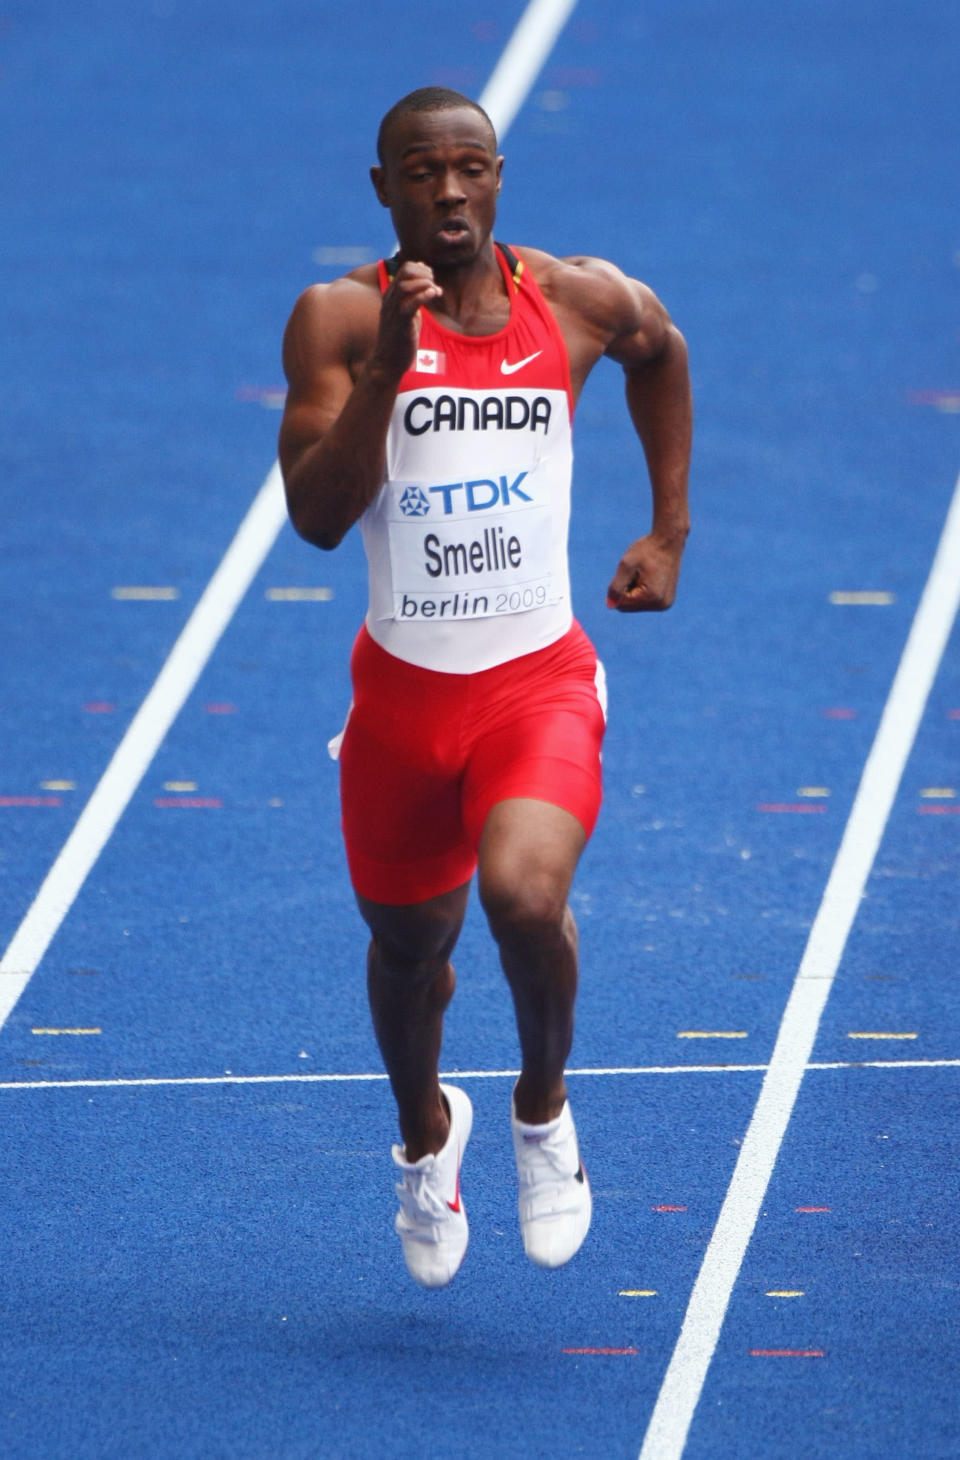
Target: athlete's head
(439,174)
(428,99)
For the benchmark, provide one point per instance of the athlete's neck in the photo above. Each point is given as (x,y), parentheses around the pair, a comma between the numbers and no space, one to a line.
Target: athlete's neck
(474,300)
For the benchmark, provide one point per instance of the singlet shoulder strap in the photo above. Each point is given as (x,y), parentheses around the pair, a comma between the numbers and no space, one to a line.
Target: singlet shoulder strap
(514,264)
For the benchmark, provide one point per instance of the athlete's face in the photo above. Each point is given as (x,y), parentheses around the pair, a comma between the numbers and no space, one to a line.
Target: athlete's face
(440,179)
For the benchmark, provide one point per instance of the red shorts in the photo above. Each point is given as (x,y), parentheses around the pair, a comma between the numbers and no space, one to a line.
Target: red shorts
(426,755)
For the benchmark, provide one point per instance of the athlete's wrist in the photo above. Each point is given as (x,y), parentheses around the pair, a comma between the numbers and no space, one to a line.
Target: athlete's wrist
(671,532)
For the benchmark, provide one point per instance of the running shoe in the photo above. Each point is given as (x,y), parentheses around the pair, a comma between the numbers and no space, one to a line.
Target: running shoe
(554,1196)
(432,1222)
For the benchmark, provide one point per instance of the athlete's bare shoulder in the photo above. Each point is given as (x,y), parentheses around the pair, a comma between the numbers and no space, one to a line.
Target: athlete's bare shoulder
(599,307)
(332,324)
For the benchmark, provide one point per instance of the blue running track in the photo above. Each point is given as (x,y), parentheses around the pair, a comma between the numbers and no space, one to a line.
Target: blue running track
(195,1177)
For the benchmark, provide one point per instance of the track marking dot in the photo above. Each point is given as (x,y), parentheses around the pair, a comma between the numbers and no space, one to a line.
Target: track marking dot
(349,255)
(877,1034)
(668,1209)
(712,1034)
(299,595)
(813,1209)
(193,802)
(839,712)
(58,785)
(630,1352)
(179,785)
(785,1293)
(100,707)
(271,397)
(787,1353)
(637,1293)
(813,790)
(798,808)
(932,793)
(66,1031)
(146,594)
(938,810)
(863,597)
(220,707)
(31,801)
(943,400)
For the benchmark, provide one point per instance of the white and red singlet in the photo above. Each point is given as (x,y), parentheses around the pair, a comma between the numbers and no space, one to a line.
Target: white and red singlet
(466,540)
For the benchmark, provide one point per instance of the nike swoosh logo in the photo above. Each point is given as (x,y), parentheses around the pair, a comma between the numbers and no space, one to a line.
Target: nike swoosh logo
(580,1174)
(507,369)
(455,1204)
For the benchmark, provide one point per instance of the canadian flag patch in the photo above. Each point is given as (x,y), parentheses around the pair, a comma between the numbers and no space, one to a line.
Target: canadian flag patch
(430,362)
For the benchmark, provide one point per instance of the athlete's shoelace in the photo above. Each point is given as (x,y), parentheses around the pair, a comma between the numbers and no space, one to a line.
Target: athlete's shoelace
(420,1201)
(555,1150)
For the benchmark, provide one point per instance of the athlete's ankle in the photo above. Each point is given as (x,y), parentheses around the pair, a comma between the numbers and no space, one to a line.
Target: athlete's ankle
(537,1104)
(425,1132)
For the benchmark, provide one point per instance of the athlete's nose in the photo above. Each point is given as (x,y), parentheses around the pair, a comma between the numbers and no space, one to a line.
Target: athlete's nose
(449,188)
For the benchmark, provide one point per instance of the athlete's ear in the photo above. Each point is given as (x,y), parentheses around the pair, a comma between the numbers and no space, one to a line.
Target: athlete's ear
(499,173)
(378,179)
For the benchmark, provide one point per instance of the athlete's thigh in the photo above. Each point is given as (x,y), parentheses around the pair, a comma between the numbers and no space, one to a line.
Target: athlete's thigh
(400,770)
(539,736)
(549,753)
(528,853)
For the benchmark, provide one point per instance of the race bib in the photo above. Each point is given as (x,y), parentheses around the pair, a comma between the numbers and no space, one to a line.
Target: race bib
(470,549)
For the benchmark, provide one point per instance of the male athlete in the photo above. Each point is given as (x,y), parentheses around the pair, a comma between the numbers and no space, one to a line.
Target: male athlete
(430,400)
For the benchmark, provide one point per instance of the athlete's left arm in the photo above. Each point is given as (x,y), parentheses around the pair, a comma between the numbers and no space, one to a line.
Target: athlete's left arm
(641,337)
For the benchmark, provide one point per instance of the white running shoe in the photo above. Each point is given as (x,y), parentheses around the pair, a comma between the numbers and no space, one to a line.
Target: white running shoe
(432,1222)
(554,1197)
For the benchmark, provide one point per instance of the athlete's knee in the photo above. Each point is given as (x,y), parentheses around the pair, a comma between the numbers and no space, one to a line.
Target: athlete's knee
(414,958)
(413,944)
(531,903)
(399,976)
(413,949)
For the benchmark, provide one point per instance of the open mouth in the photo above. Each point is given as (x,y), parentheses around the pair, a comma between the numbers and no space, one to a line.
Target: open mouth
(453,229)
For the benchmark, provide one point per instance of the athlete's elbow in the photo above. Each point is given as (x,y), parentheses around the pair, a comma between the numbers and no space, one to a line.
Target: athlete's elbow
(306,520)
(317,534)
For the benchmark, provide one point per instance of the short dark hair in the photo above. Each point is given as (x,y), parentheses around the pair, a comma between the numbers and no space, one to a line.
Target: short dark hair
(427,99)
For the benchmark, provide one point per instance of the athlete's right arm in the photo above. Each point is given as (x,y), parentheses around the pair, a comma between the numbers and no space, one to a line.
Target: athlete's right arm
(344,354)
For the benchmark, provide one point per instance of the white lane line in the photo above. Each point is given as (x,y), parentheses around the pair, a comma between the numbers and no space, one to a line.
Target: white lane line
(522,60)
(254,539)
(502,98)
(144,1081)
(684,1379)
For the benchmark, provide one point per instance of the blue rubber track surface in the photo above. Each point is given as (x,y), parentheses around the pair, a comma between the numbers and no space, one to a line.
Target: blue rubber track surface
(209,1269)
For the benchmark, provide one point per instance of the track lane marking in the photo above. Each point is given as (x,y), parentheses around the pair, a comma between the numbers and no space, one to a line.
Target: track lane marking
(522,60)
(94,827)
(686,1373)
(373,1076)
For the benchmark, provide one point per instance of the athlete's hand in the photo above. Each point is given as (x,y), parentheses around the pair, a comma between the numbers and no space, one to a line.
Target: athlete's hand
(646,578)
(412,286)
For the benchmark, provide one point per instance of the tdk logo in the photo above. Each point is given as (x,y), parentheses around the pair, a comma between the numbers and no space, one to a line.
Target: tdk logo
(477,495)
(413,503)
(465,413)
